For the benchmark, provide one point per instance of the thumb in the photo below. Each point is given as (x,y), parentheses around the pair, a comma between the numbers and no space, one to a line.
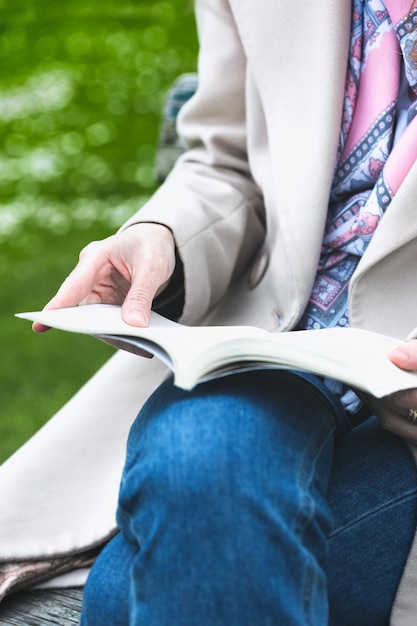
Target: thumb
(405,355)
(136,308)
(151,267)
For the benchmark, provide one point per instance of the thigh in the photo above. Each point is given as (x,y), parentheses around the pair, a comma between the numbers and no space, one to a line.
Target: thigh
(262,428)
(226,479)
(373,495)
(226,484)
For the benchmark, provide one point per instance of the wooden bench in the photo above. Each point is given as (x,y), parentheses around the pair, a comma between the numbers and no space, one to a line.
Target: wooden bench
(42,607)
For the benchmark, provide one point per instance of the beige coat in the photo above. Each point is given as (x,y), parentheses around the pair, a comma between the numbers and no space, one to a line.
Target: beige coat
(247,206)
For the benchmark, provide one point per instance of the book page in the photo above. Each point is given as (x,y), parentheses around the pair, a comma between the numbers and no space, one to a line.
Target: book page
(356,357)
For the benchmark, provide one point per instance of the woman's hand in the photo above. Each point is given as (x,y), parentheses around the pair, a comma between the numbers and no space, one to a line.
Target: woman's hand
(129,268)
(395,412)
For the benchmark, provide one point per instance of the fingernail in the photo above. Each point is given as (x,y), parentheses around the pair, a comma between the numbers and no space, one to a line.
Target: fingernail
(136,318)
(401,353)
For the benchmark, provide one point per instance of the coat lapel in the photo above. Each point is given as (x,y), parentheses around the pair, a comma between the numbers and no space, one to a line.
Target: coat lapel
(307,43)
(385,281)
(398,226)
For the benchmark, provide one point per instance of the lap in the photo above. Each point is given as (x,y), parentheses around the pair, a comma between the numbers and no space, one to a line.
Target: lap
(241,422)
(234,407)
(217,479)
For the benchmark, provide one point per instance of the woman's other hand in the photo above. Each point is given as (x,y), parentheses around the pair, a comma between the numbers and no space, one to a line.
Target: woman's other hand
(395,412)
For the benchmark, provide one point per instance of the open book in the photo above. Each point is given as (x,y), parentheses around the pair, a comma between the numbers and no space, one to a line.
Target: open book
(198,353)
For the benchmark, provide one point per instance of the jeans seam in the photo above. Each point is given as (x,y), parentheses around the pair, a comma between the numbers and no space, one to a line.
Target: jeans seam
(307,506)
(304,484)
(405,497)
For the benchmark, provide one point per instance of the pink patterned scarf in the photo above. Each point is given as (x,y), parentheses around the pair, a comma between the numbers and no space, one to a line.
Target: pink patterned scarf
(371,162)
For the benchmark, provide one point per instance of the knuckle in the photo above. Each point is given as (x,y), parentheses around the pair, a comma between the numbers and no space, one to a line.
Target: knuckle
(100,248)
(77,285)
(89,248)
(140,296)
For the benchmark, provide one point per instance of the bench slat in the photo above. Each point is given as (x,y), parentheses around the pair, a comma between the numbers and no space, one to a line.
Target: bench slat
(44,607)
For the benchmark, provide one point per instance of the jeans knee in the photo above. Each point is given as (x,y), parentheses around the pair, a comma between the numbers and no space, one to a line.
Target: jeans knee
(189,449)
(222,439)
(106,592)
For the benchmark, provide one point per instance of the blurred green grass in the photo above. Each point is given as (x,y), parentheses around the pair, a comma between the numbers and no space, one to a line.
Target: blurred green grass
(81,91)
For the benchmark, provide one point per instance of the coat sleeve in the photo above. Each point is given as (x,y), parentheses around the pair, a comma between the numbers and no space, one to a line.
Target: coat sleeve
(210,201)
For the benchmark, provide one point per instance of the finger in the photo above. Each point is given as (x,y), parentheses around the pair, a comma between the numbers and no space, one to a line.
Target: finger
(76,287)
(399,425)
(147,281)
(136,308)
(405,355)
(403,401)
(74,290)
(392,413)
(40,328)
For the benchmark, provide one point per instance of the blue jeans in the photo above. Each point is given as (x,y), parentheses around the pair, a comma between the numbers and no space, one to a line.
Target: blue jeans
(247,503)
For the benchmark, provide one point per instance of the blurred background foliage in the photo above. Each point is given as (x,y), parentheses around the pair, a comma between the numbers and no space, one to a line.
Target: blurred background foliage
(82,84)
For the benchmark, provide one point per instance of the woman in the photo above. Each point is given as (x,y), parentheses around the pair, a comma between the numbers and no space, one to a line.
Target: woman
(251,500)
